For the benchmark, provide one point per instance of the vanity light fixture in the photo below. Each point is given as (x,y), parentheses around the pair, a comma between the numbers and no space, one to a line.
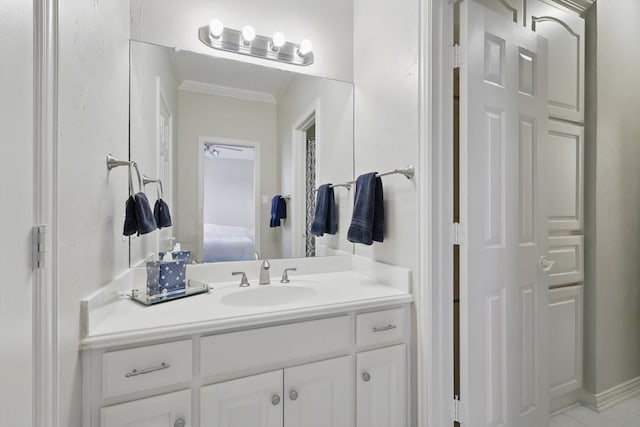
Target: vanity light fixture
(247,42)
(215,28)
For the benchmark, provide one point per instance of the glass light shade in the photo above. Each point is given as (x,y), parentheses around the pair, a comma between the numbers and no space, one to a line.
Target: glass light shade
(215,28)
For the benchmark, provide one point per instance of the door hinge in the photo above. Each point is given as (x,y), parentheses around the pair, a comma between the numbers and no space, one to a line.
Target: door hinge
(39,237)
(457,409)
(457,234)
(456,55)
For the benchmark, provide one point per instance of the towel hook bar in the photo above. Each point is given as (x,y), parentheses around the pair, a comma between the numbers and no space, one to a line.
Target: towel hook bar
(114,162)
(345,185)
(408,172)
(146,180)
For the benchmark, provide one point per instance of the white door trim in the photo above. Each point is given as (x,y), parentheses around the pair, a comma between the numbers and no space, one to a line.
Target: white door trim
(434,290)
(257,178)
(45,376)
(298,149)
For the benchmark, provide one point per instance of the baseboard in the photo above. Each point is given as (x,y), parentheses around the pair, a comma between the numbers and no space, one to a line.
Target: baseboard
(614,395)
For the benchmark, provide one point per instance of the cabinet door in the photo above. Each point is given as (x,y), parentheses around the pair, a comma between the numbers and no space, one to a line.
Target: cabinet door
(320,394)
(565,31)
(167,410)
(247,402)
(381,387)
(565,340)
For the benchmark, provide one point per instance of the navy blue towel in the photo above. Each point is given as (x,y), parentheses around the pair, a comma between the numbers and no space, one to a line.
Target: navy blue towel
(367,223)
(326,217)
(144,216)
(278,210)
(161,214)
(130,220)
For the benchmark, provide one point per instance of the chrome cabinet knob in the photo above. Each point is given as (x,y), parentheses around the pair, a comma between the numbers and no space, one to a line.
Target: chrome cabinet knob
(179,423)
(275,400)
(293,395)
(366,377)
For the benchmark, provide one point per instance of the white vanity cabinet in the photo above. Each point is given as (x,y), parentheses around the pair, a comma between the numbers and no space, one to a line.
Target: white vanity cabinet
(346,370)
(316,394)
(167,410)
(381,387)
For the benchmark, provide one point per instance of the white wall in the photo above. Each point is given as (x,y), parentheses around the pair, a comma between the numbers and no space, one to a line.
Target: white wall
(148,63)
(612,290)
(228,192)
(223,117)
(386,118)
(327,23)
(93,120)
(334,147)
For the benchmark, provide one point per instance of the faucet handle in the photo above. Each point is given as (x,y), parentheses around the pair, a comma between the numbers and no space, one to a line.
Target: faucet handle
(243,280)
(285,276)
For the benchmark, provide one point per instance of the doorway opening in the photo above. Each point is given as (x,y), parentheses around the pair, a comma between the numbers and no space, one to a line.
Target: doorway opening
(229,222)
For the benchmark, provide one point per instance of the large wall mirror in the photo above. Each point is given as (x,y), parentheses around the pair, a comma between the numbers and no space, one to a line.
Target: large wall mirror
(225,137)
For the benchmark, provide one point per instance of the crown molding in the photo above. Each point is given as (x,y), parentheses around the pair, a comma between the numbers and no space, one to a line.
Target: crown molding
(580,6)
(229,92)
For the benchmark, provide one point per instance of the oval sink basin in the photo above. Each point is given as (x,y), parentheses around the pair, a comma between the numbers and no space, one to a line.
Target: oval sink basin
(267,295)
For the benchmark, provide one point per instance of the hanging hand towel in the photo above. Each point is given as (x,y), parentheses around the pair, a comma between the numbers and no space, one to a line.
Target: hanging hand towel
(130,221)
(161,214)
(367,222)
(326,218)
(278,210)
(144,216)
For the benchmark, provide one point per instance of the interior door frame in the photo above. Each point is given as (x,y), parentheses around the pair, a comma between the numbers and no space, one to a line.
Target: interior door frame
(200,187)
(310,115)
(45,149)
(433,290)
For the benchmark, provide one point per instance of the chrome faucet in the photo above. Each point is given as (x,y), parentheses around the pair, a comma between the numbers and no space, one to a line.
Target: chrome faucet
(265,279)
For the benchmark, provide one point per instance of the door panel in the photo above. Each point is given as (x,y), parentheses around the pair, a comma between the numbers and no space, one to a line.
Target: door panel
(320,394)
(254,401)
(504,293)
(16,198)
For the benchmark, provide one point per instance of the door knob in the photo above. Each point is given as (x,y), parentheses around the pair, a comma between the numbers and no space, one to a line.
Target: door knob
(546,264)
(293,395)
(179,423)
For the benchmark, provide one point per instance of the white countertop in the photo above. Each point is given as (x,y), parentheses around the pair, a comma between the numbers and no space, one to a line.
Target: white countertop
(124,321)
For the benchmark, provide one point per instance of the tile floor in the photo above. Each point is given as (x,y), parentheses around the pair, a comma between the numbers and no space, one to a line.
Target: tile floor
(624,414)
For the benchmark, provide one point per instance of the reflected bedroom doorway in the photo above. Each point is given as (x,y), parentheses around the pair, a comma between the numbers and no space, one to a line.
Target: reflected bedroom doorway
(229,194)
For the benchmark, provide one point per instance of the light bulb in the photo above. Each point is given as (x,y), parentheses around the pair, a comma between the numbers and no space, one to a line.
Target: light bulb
(278,40)
(248,34)
(305,47)
(215,28)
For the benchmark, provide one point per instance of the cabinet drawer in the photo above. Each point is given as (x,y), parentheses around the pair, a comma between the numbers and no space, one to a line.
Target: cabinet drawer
(143,368)
(380,327)
(275,345)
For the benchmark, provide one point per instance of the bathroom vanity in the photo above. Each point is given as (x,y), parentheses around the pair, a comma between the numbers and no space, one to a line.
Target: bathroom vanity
(328,349)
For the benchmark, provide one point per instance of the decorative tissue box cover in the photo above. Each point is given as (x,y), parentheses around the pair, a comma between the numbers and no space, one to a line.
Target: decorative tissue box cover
(181,255)
(166,278)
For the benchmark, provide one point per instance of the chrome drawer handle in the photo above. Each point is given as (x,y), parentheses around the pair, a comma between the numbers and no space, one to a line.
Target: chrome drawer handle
(384,328)
(135,372)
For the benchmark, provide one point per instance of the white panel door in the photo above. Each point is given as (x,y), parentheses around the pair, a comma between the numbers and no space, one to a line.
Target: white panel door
(566,33)
(320,394)
(167,410)
(382,387)
(504,292)
(565,340)
(16,199)
(254,401)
